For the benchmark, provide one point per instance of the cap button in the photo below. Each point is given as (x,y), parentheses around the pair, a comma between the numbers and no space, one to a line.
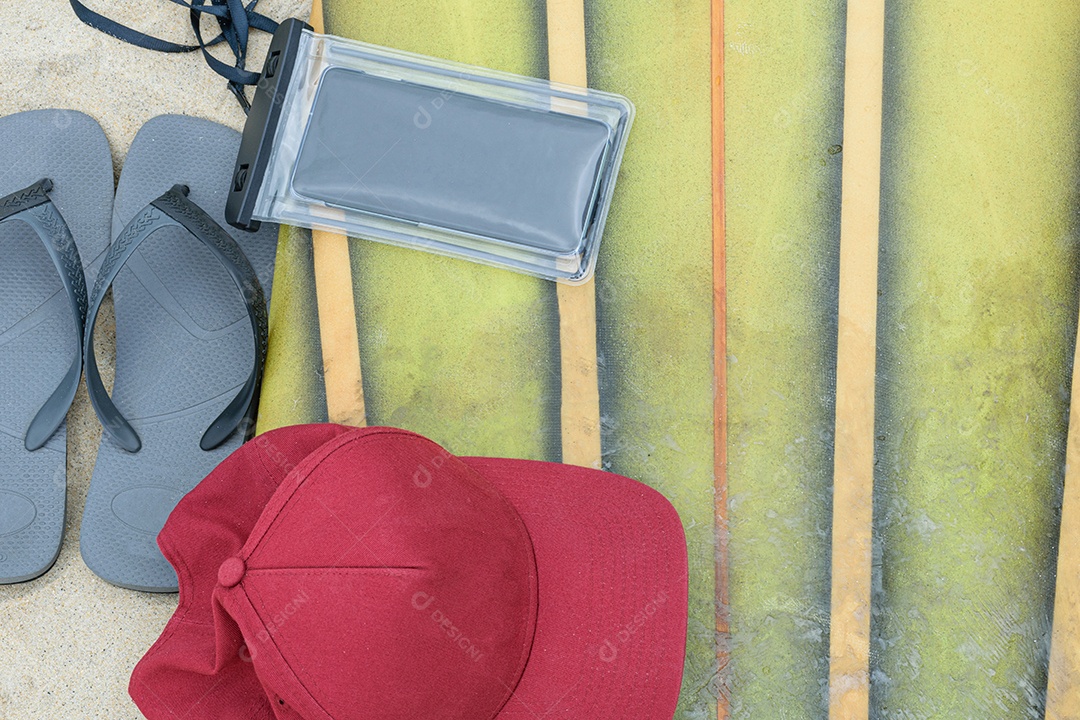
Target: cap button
(231,572)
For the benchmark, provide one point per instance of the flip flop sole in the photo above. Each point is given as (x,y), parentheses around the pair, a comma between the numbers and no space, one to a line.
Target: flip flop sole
(37,332)
(183,349)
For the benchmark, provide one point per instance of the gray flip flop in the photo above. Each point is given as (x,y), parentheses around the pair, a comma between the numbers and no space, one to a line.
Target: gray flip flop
(56,176)
(190,297)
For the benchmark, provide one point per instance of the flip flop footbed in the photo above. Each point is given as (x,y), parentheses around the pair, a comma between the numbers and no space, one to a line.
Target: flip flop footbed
(38,337)
(184,347)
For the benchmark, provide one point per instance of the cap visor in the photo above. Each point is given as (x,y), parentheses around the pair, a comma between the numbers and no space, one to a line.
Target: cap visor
(612,576)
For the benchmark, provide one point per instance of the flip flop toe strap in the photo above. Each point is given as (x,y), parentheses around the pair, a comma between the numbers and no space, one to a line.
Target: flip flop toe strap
(174,209)
(33,206)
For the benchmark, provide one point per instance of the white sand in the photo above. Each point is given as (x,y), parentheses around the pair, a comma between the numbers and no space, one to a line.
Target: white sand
(68,640)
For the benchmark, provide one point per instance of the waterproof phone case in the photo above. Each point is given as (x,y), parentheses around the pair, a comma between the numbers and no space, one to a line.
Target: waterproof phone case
(460,160)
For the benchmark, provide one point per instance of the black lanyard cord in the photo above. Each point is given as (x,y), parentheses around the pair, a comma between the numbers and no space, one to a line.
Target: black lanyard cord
(234,19)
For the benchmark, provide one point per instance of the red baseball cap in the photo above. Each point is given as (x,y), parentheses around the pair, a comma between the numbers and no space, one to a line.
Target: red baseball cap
(328,572)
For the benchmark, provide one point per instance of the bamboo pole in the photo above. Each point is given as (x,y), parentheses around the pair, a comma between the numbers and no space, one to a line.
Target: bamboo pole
(1063,683)
(580,415)
(723,616)
(337,313)
(853,474)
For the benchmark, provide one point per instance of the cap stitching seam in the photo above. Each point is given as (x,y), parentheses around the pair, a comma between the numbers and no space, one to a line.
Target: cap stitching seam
(262,603)
(326,570)
(359,435)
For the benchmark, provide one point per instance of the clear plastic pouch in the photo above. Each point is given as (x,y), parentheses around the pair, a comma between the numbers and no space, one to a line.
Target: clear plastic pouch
(459,160)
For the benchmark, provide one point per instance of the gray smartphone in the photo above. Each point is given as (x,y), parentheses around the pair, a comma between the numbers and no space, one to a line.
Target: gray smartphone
(471,164)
